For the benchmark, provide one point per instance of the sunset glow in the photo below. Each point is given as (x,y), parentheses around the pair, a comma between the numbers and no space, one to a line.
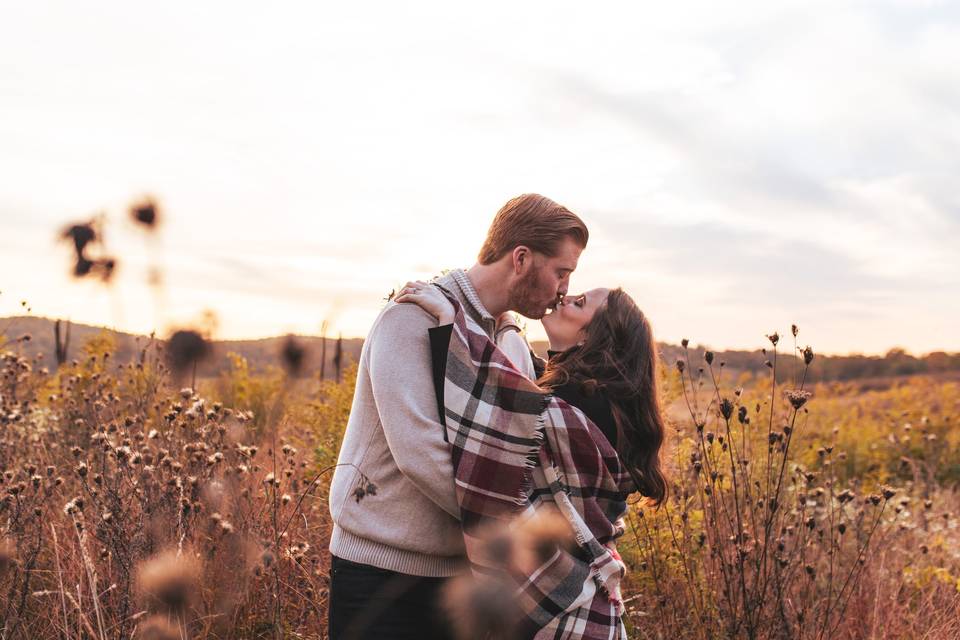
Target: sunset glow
(739,170)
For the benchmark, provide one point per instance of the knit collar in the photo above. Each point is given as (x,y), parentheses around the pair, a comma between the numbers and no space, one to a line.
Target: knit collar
(463,281)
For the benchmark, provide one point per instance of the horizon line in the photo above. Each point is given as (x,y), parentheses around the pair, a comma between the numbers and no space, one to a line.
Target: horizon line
(538,341)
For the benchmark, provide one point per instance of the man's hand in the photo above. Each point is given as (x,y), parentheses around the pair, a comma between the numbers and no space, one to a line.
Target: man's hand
(429,298)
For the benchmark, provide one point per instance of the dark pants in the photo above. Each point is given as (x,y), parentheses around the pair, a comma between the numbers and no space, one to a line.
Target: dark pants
(367,602)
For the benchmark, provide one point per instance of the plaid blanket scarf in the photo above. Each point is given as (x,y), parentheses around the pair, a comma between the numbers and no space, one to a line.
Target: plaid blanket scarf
(517,451)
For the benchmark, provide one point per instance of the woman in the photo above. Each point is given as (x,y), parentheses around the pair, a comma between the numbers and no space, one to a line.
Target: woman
(602,361)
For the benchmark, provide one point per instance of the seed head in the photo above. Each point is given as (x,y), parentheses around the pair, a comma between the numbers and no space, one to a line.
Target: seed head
(539,537)
(798,398)
(726,408)
(145,213)
(81,235)
(292,355)
(359,493)
(185,348)
(480,608)
(169,579)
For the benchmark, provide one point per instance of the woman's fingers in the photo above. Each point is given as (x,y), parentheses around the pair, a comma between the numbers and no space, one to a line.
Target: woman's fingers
(412,291)
(410,295)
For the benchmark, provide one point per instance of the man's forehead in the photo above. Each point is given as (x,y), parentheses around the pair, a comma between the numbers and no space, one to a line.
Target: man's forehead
(568,255)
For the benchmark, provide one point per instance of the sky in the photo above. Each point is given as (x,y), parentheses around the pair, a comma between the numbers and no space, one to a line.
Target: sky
(741,166)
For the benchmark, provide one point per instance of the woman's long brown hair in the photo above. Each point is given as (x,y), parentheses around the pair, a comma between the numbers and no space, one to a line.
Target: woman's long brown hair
(619,358)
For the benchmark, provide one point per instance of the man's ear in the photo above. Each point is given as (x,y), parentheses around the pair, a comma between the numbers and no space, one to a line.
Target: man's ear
(522,257)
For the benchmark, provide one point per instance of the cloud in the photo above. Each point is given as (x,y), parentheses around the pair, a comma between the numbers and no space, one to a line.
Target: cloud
(760,157)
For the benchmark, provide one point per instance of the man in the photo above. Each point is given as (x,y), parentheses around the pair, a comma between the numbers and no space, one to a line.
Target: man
(392,549)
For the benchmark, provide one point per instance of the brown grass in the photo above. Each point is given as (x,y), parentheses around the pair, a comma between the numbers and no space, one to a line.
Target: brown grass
(132,508)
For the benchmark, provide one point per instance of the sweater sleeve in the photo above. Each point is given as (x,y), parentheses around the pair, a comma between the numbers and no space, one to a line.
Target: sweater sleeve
(515,346)
(402,381)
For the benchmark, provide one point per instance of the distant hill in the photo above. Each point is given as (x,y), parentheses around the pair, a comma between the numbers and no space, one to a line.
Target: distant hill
(266,351)
(258,353)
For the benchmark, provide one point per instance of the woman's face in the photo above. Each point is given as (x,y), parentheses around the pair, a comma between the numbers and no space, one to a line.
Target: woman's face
(565,325)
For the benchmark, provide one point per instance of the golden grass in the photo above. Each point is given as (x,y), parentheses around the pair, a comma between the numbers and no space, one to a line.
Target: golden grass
(132,508)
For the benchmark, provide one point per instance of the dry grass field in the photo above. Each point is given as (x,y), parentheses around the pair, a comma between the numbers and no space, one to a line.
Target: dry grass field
(136,507)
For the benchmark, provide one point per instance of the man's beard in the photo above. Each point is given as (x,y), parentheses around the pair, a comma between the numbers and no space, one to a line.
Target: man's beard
(523,296)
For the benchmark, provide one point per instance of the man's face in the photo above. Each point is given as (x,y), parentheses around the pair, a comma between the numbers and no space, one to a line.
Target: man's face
(544,280)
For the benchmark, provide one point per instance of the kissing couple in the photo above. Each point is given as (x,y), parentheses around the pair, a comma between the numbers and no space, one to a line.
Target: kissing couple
(501,479)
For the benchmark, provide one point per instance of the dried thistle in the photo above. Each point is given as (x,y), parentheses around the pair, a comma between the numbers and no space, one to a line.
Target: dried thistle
(81,234)
(292,355)
(726,408)
(170,579)
(145,212)
(186,348)
(540,537)
(797,398)
(480,608)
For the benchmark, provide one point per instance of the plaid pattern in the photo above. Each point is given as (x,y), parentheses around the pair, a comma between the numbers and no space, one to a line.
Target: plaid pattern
(517,449)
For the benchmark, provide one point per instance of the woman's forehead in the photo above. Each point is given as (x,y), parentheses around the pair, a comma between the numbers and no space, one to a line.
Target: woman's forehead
(597,295)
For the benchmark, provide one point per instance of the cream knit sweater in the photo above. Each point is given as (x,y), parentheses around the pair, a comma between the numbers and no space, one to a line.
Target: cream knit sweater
(395,438)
